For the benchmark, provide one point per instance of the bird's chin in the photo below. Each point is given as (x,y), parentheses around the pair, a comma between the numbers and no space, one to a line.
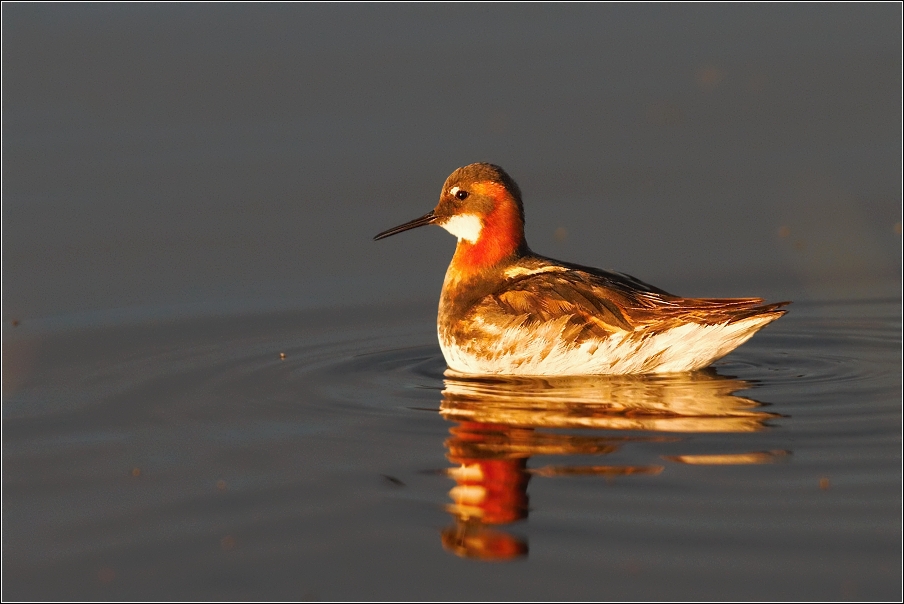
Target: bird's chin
(464,226)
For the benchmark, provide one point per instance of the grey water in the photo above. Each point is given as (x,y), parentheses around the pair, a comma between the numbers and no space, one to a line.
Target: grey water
(216,386)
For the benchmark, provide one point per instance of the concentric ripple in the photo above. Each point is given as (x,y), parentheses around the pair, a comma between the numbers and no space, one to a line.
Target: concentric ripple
(292,440)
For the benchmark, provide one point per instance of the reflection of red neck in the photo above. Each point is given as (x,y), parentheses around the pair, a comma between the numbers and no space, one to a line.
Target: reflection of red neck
(473,540)
(501,234)
(491,490)
(505,485)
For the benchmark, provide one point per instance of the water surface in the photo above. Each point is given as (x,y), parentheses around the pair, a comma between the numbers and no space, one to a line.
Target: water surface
(325,455)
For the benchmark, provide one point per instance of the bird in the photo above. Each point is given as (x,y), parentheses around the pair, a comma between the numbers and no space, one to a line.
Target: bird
(506,311)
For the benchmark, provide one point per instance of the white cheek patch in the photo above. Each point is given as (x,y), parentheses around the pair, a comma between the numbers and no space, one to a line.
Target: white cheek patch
(464,226)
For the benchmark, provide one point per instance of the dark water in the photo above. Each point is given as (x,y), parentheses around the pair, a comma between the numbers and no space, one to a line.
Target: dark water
(190,459)
(190,192)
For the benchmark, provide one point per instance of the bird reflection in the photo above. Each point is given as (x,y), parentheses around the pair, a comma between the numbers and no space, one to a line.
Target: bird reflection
(501,422)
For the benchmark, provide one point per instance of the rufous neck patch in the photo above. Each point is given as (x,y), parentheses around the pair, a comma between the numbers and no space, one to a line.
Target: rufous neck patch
(501,234)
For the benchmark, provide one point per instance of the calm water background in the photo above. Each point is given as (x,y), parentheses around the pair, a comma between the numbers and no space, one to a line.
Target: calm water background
(191,190)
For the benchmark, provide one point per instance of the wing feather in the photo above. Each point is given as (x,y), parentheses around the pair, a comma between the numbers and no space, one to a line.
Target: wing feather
(593,302)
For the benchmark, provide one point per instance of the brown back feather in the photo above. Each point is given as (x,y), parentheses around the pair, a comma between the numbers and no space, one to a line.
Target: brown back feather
(598,303)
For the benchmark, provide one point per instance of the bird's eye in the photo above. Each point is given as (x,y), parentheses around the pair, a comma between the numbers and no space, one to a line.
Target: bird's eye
(461,194)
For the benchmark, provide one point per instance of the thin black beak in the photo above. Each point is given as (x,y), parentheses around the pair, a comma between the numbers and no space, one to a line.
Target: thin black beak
(428,218)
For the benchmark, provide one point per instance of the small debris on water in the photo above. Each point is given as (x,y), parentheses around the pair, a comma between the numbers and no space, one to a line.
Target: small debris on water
(824,483)
(136,472)
(393,480)
(282,356)
(15,322)
(227,543)
(221,485)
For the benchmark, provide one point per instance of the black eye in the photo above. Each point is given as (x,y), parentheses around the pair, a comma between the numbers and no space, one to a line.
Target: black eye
(461,194)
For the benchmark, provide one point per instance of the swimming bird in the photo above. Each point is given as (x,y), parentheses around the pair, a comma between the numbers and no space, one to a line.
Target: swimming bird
(505,310)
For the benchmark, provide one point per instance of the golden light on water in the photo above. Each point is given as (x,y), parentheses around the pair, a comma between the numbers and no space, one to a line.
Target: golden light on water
(755,457)
(694,402)
(500,423)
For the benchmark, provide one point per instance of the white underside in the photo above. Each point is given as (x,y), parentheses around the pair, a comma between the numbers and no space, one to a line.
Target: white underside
(539,350)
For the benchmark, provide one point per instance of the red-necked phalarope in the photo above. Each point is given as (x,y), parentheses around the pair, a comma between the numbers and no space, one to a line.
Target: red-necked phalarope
(507,311)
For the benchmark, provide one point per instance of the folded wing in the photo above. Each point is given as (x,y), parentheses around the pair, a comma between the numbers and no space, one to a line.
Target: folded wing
(589,302)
